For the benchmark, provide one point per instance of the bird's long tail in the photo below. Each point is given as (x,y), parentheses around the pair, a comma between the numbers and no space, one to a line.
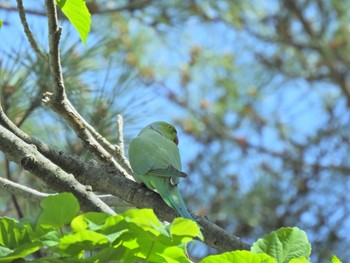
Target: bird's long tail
(172,197)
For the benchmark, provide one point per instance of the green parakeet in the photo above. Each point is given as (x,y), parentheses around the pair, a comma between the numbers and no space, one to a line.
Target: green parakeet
(155,160)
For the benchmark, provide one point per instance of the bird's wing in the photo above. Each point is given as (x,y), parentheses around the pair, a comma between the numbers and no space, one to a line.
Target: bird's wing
(152,151)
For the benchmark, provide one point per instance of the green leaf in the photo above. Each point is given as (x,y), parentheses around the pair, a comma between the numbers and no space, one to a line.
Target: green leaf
(146,219)
(0,23)
(82,241)
(78,14)
(114,224)
(21,251)
(335,259)
(90,220)
(174,254)
(284,244)
(58,210)
(13,233)
(4,251)
(50,239)
(239,256)
(185,229)
(109,254)
(142,217)
(299,260)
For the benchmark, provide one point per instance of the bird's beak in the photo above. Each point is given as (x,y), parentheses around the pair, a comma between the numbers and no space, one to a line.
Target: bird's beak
(176,140)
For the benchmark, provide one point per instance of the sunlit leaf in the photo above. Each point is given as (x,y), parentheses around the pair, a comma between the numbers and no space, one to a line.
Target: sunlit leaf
(21,251)
(78,14)
(299,260)
(239,256)
(185,229)
(284,244)
(13,233)
(335,259)
(58,210)
(81,241)
(91,220)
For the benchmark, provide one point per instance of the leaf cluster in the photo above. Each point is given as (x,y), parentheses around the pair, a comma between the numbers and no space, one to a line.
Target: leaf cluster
(134,236)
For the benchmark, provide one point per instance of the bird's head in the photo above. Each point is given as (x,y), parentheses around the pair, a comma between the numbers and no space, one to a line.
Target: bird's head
(165,129)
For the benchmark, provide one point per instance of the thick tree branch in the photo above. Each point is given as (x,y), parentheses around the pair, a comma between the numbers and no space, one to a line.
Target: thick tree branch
(141,197)
(31,160)
(36,196)
(104,179)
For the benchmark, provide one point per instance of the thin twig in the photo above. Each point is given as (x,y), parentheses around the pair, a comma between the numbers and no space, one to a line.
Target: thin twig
(120,125)
(54,53)
(21,190)
(33,105)
(74,119)
(138,5)
(27,31)
(116,151)
(13,196)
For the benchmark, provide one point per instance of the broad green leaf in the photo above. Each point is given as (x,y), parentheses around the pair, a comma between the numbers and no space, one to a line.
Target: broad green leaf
(134,244)
(13,233)
(5,251)
(0,23)
(142,217)
(114,224)
(299,260)
(108,254)
(174,254)
(58,210)
(284,244)
(113,236)
(82,241)
(90,220)
(147,249)
(186,229)
(78,14)
(335,259)
(21,251)
(100,222)
(240,256)
(50,239)
(145,219)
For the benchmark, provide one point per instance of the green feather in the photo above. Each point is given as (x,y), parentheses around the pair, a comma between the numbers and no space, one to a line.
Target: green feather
(155,160)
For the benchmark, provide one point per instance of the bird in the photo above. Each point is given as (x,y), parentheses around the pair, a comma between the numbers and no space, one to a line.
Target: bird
(155,160)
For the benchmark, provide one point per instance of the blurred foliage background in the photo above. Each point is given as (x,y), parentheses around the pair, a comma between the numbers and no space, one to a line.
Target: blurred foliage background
(259,91)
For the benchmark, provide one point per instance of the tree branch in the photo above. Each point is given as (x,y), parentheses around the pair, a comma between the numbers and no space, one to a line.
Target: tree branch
(54,54)
(21,190)
(94,9)
(31,160)
(59,102)
(13,197)
(101,179)
(138,195)
(36,196)
(58,173)
(27,31)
